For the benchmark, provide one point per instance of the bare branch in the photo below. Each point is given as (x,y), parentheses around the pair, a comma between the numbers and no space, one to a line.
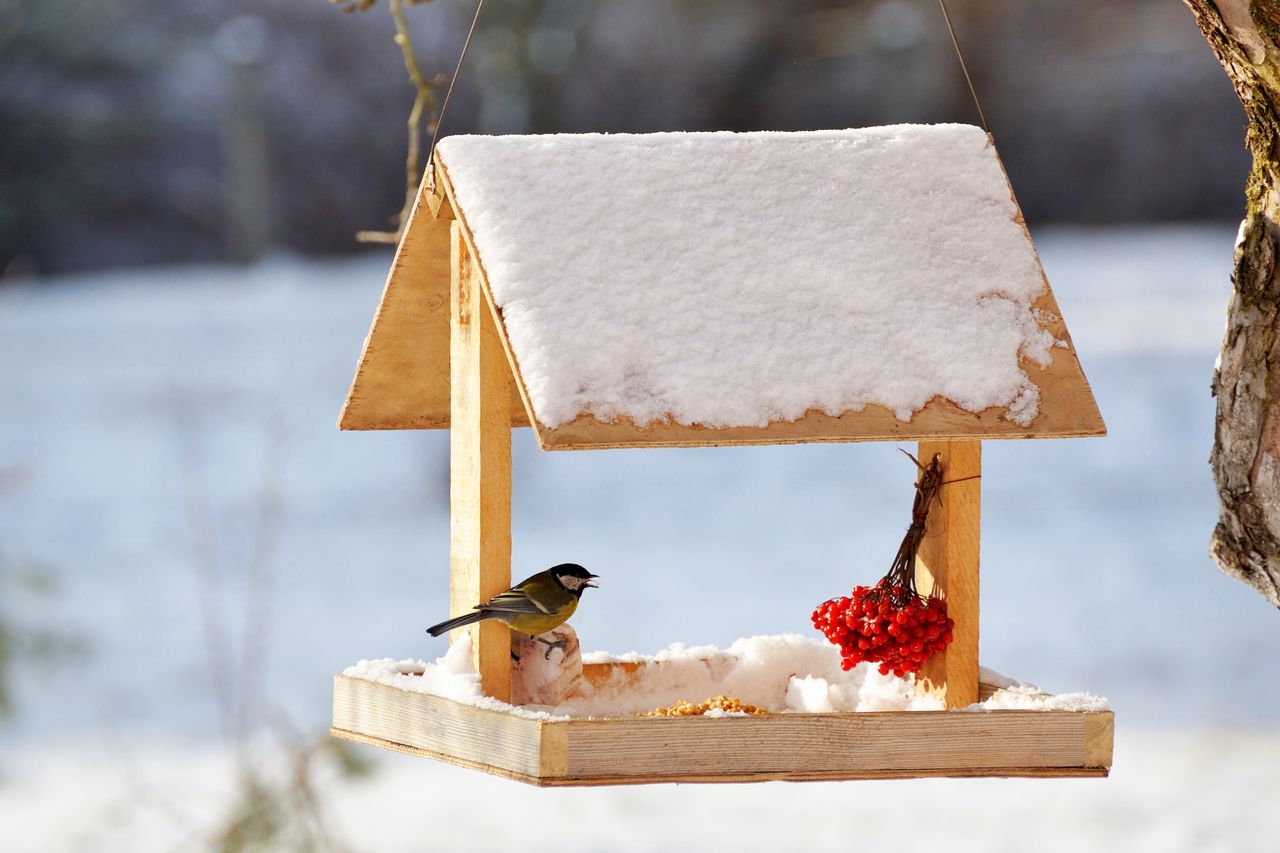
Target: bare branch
(425,104)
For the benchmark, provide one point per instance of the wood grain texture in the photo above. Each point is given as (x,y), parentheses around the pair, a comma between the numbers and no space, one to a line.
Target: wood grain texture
(479,473)
(824,743)
(947,567)
(432,192)
(1099,739)
(402,378)
(793,747)
(561,781)
(452,731)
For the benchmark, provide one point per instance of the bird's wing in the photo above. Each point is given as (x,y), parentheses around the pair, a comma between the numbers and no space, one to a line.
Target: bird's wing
(513,601)
(548,599)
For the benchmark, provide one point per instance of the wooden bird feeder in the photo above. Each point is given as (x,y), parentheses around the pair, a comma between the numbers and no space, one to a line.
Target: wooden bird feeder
(444,352)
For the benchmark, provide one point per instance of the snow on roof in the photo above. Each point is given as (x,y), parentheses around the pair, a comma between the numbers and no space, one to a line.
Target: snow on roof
(728,280)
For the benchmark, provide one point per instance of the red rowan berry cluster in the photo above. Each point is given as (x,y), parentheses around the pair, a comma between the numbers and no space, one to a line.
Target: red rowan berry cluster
(890,623)
(873,626)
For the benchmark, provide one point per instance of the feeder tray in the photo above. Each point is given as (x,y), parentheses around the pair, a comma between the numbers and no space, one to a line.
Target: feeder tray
(439,356)
(773,747)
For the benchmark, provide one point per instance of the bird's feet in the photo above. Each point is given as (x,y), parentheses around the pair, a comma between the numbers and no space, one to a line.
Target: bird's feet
(557,644)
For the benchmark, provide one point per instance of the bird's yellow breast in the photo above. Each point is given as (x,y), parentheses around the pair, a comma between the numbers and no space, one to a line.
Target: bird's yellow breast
(534,624)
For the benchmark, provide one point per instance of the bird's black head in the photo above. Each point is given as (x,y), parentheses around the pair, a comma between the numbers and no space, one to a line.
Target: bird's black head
(572,577)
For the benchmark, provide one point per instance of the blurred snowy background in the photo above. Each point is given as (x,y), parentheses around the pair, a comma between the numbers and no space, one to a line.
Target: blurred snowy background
(189,549)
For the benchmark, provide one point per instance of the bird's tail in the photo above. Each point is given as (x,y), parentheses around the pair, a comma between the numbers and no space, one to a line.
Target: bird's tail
(458,622)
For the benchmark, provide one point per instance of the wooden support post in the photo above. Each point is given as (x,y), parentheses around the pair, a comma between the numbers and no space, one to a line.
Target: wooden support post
(480,469)
(947,567)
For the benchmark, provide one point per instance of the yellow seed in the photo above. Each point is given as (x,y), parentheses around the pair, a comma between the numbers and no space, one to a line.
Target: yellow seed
(685,708)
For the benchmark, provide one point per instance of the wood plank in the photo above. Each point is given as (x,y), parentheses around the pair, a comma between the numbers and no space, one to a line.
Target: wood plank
(444,757)
(402,378)
(1099,739)
(433,193)
(480,472)
(555,751)
(913,743)
(448,730)
(834,776)
(947,567)
(596,674)
(790,747)
(552,781)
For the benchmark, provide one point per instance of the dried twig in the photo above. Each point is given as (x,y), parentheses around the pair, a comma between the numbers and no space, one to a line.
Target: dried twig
(425,104)
(902,572)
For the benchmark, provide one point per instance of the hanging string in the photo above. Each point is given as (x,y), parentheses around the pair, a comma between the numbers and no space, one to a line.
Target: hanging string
(431,171)
(946,16)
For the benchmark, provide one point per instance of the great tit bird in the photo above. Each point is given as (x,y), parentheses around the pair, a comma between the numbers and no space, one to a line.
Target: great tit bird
(534,606)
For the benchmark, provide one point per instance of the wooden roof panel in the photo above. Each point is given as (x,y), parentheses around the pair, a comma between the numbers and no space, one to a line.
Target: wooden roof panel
(402,379)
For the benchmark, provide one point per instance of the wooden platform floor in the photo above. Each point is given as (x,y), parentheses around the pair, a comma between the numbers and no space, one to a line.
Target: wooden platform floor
(787,747)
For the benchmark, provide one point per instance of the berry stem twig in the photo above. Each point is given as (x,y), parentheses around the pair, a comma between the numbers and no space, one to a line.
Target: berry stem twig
(890,623)
(901,574)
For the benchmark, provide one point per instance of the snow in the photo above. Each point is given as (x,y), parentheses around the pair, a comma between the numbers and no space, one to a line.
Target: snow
(989,676)
(760,670)
(1176,791)
(452,676)
(115,374)
(778,673)
(1028,697)
(737,279)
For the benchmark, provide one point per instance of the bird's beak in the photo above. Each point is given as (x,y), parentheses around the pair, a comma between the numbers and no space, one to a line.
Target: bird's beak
(592,585)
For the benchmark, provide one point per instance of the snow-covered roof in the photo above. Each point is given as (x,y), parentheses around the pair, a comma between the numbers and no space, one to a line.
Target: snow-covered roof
(705,288)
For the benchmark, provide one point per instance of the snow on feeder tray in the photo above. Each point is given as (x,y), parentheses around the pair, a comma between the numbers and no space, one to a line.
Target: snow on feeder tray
(699,290)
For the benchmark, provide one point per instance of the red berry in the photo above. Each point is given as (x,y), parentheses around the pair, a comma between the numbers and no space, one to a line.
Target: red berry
(870,626)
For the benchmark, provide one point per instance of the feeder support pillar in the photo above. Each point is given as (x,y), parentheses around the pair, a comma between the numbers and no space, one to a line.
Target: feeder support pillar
(947,568)
(480,469)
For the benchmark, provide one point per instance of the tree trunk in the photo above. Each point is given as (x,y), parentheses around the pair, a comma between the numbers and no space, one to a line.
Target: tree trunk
(1245,36)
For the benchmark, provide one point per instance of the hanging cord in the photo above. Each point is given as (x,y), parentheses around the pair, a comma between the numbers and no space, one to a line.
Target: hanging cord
(431,149)
(946,16)
(430,168)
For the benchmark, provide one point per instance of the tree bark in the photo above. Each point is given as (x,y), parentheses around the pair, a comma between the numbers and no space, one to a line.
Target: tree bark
(1245,37)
